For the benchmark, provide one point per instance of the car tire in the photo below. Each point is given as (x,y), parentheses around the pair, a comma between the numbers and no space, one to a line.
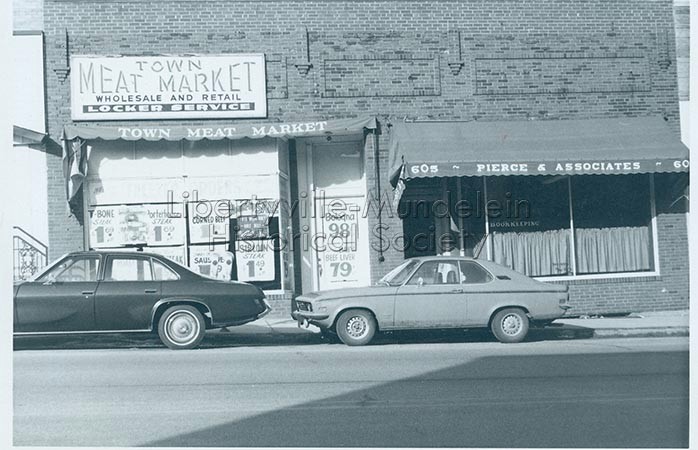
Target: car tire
(510,325)
(181,327)
(356,327)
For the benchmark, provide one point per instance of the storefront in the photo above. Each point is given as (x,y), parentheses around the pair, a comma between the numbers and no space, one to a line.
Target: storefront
(563,200)
(219,198)
(260,144)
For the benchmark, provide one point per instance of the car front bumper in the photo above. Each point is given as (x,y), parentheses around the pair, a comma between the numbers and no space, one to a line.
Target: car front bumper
(305,318)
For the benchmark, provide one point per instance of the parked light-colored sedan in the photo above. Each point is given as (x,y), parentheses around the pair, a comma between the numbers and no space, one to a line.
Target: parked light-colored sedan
(436,292)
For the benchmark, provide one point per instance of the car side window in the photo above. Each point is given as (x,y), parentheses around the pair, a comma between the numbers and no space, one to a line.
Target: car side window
(129,269)
(473,273)
(162,272)
(74,269)
(436,272)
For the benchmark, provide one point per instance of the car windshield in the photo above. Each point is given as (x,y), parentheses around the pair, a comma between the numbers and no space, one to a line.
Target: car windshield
(399,274)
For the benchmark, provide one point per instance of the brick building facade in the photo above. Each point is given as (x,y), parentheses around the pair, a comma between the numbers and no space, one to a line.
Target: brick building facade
(440,61)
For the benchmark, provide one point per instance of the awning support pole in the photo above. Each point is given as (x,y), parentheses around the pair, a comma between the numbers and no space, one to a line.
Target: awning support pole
(459,197)
(376,166)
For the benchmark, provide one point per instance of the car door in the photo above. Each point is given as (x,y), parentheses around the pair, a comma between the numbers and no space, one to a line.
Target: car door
(432,297)
(476,283)
(125,297)
(62,299)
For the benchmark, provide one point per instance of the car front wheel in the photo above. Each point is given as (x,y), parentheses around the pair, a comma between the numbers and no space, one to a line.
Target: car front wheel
(181,327)
(510,325)
(356,327)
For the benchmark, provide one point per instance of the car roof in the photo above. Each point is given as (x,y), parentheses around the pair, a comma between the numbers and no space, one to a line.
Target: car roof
(440,257)
(125,251)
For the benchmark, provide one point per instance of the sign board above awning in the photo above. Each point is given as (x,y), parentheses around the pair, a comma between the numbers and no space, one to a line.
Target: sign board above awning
(218,131)
(535,147)
(168,87)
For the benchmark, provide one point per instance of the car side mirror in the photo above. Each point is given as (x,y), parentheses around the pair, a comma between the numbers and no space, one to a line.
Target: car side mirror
(420,281)
(50,279)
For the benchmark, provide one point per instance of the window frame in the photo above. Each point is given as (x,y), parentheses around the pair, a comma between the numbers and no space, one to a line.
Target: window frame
(152,269)
(110,260)
(41,277)
(454,261)
(490,275)
(655,272)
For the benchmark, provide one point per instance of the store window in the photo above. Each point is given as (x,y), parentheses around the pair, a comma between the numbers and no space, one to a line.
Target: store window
(572,226)
(529,222)
(543,226)
(612,224)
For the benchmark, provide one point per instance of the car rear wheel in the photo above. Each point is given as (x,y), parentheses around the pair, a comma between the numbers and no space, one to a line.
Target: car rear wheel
(181,327)
(510,325)
(356,327)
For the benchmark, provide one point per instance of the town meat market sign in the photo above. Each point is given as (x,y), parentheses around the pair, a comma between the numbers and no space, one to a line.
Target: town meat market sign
(168,87)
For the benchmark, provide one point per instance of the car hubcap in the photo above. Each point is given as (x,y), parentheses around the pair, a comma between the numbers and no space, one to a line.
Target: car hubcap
(511,324)
(182,327)
(357,327)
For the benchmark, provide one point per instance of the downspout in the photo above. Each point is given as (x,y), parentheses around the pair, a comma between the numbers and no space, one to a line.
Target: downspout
(376,166)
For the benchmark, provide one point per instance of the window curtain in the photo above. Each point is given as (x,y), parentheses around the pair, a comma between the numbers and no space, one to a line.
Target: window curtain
(608,250)
(534,253)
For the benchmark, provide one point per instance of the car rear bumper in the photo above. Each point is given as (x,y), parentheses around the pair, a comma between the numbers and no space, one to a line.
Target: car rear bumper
(242,321)
(267,309)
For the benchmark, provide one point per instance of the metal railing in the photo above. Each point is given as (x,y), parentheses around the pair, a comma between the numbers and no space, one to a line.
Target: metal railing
(29,254)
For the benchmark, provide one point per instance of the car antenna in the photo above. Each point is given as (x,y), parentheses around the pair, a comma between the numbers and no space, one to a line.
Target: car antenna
(480,246)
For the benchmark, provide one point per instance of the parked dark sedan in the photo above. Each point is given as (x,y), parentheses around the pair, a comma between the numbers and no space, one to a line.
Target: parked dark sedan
(87,292)
(436,292)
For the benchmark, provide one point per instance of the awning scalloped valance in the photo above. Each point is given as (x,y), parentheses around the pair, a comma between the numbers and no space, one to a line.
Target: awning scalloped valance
(218,131)
(534,147)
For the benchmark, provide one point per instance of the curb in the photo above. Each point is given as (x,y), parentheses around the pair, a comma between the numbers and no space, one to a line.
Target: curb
(641,332)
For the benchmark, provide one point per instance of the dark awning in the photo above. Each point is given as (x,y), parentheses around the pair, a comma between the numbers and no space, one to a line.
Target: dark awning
(218,131)
(534,147)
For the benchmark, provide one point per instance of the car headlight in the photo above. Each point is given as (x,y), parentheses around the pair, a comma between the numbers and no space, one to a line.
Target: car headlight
(304,306)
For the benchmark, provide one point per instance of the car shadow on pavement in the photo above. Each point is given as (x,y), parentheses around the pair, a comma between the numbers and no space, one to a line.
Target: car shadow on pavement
(551,333)
(147,341)
(562,400)
(238,339)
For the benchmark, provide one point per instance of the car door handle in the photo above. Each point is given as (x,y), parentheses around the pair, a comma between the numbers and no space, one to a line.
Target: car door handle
(151,291)
(88,292)
(458,291)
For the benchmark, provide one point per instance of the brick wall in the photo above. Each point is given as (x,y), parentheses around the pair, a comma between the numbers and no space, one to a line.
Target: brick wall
(667,291)
(445,60)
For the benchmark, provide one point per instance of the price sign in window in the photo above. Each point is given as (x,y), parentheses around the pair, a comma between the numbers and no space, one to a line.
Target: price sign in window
(216,263)
(255,260)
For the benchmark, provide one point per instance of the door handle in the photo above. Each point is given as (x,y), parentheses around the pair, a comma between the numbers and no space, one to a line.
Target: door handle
(151,291)
(458,291)
(88,292)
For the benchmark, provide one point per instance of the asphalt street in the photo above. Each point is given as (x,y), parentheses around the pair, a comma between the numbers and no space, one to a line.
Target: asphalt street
(568,393)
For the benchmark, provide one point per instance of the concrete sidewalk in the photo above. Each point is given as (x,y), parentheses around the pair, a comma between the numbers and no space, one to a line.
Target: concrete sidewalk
(644,324)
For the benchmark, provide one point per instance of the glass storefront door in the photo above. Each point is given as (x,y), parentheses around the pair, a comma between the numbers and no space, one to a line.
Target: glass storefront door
(335,240)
